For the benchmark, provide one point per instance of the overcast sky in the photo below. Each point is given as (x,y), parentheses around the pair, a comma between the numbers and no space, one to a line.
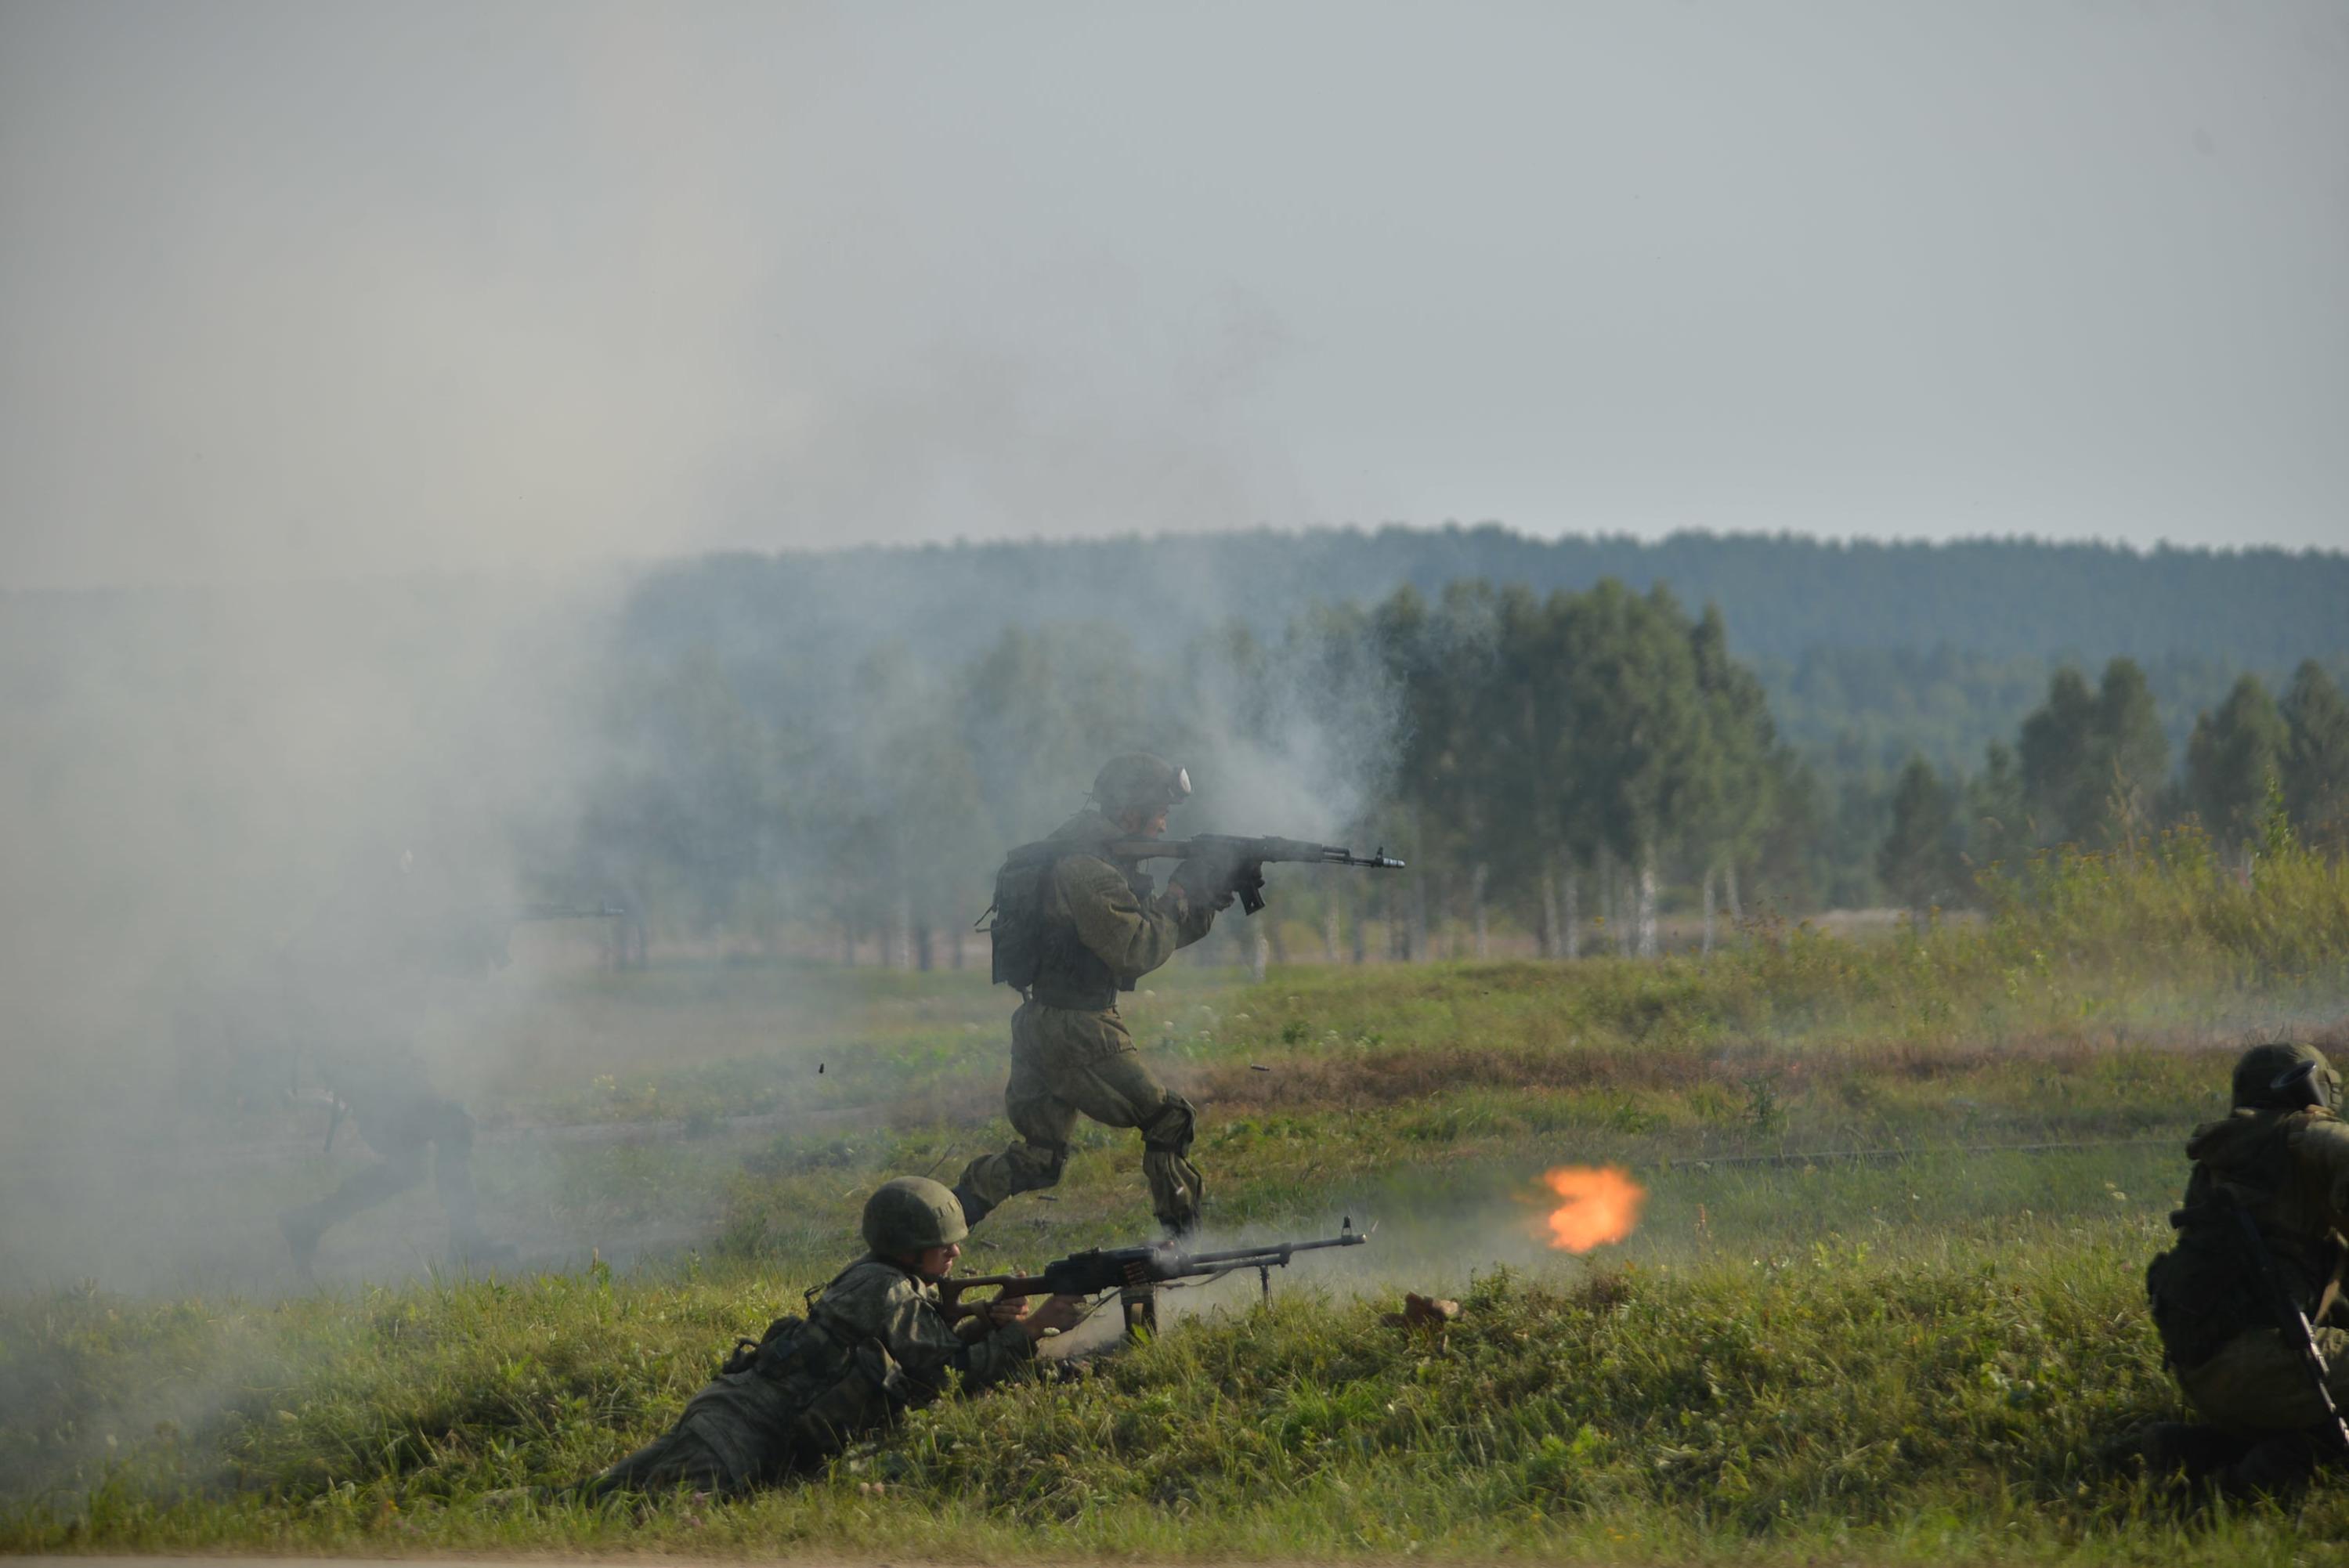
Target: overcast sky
(291,290)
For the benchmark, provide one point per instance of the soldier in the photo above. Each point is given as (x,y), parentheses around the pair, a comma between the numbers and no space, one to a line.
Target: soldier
(399,1118)
(2281,1157)
(1084,928)
(358,986)
(874,1344)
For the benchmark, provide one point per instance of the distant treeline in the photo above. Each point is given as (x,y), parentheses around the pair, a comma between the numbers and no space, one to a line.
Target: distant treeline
(1567,762)
(2091,767)
(1868,652)
(851,739)
(2258,609)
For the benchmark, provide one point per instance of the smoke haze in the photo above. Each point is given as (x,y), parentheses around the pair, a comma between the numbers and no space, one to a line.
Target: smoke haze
(298,291)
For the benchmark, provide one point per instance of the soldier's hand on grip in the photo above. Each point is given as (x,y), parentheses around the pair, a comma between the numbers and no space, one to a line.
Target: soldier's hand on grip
(1058,1312)
(1206,882)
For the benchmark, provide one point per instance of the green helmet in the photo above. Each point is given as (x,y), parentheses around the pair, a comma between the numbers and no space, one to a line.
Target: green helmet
(1139,781)
(2284,1076)
(911,1214)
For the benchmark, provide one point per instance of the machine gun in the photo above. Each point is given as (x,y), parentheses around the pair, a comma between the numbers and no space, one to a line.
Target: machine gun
(2289,1319)
(1138,1274)
(1238,863)
(530,911)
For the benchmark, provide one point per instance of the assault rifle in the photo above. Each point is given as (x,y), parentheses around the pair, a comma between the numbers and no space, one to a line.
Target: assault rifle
(1137,1274)
(1239,863)
(2298,1333)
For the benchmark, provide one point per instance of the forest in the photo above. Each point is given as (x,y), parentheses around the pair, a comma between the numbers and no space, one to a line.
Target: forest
(1575,741)
(1567,764)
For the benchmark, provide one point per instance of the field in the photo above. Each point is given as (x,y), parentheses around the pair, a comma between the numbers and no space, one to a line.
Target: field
(1884,1303)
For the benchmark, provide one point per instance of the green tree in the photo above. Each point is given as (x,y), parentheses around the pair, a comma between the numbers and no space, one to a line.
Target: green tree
(685,812)
(1998,828)
(1730,797)
(1637,719)
(2128,754)
(2316,754)
(2058,750)
(2093,761)
(1918,858)
(2234,755)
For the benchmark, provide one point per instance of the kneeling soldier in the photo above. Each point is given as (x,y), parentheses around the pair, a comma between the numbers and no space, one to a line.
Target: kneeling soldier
(2258,1261)
(872,1343)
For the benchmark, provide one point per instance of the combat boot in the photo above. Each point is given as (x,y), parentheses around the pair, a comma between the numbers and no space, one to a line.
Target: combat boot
(301,1230)
(2279,1467)
(973,1207)
(478,1253)
(2186,1450)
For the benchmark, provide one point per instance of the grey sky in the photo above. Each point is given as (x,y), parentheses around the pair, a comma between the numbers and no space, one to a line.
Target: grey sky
(303,288)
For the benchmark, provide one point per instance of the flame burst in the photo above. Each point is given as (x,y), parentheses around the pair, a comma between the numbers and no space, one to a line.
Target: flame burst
(1602,1205)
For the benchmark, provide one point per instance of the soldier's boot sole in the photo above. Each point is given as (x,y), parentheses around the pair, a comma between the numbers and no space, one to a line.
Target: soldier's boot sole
(2279,1467)
(973,1207)
(2185,1449)
(477,1254)
(301,1235)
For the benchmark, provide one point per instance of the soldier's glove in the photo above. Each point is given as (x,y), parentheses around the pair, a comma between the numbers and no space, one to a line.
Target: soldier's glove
(1217,882)
(1203,882)
(1247,881)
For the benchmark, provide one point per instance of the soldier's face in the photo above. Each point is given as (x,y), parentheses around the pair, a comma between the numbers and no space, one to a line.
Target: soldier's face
(936,1263)
(1144,822)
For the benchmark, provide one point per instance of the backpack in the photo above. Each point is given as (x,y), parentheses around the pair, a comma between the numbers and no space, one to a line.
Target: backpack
(1017,924)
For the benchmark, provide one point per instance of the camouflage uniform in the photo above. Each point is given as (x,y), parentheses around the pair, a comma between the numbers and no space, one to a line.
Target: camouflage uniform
(1104,928)
(399,1118)
(2287,1166)
(874,1343)
(358,985)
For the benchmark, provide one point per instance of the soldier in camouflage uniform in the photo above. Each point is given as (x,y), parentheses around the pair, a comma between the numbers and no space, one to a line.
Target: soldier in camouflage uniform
(874,1344)
(2281,1156)
(399,1116)
(356,989)
(1104,926)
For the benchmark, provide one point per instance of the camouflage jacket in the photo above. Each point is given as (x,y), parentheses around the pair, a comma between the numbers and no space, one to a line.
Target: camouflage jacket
(2290,1171)
(1105,927)
(876,1300)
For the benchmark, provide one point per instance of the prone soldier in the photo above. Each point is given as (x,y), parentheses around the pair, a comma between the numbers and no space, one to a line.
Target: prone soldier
(874,1342)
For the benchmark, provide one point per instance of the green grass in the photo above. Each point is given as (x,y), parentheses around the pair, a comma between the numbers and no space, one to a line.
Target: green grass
(1908,1356)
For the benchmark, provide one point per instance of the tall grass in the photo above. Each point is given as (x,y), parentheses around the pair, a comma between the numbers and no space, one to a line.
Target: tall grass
(1919,1406)
(1912,1361)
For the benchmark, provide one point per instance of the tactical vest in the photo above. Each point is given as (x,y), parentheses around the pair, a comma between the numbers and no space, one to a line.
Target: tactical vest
(2206,1289)
(1039,954)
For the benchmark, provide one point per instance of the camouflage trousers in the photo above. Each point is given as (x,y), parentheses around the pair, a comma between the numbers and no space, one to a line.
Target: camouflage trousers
(1065,1064)
(2257,1386)
(800,1401)
(400,1127)
(735,1435)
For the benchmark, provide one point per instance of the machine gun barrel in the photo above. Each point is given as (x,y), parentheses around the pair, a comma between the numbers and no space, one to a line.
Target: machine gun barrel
(1136,1273)
(1243,1257)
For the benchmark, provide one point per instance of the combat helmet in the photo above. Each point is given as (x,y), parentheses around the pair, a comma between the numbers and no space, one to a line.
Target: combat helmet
(1139,781)
(911,1214)
(2281,1075)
